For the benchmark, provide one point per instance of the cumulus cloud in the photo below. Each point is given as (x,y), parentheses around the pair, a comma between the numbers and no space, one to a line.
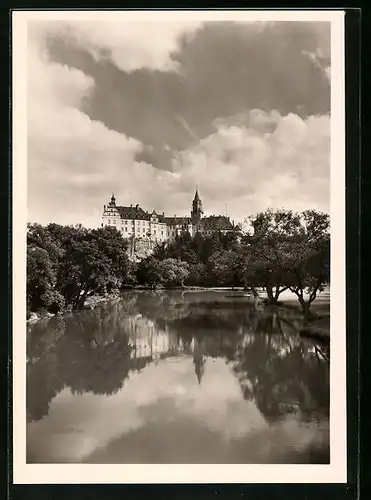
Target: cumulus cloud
(222,68)
(131,45)
(153,136)
(265,160)
(68,152)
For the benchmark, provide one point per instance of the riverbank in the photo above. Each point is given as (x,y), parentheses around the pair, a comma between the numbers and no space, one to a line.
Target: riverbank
(318,328)
(90,303)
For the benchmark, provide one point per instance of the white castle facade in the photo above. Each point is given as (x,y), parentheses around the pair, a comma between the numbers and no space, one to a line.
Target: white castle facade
(148,228)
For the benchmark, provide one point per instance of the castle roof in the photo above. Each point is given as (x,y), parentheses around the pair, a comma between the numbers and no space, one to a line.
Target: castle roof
(173,221)
(216,223)
(133,213)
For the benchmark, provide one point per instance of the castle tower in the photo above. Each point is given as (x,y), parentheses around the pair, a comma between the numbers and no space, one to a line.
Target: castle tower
(197,211)
(112,203)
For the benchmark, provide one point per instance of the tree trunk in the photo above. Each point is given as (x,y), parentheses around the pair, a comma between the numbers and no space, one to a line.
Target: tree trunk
(272,300)
(305,307)
(81,301)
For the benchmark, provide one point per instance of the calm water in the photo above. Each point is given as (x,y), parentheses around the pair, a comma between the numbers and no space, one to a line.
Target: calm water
(176,377)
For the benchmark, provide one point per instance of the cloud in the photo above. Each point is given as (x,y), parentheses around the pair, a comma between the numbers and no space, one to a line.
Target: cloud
(68,152)
(151,136)
(222,68)
(265,160)
(320,61)
(130,46)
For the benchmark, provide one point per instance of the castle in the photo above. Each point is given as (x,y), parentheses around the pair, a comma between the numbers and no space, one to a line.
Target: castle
(147,228)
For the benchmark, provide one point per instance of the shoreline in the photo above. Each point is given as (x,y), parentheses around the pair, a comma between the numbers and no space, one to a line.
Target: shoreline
(91,303)
(311,331)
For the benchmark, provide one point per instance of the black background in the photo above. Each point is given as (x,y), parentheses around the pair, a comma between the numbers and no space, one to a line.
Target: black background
(357,346)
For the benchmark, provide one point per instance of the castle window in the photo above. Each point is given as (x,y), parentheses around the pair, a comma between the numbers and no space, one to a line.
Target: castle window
(126,229)
(109,222)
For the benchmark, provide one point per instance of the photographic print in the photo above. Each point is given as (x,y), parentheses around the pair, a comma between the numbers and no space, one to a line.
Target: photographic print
(179,282)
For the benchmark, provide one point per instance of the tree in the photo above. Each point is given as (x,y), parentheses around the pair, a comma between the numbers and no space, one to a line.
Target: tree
(76,262)
(198,252)
(160,251)
(149,273)
(169,272)
(308,261)
(209,245)
(289,250)
(41,280)
(262,259)
(197,274)
(181,248)
(225,268)
(173,272)
(94,262)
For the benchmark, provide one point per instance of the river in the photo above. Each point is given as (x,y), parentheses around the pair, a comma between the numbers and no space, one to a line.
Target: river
(176,377)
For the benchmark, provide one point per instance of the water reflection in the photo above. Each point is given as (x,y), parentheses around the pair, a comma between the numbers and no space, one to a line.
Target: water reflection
(276,378)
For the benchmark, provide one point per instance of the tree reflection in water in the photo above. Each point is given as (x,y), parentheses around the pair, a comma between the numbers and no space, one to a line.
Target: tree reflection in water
(95,351)
(282,375)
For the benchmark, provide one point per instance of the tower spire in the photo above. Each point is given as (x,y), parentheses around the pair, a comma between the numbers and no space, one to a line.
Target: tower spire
(197,211)
(113,200)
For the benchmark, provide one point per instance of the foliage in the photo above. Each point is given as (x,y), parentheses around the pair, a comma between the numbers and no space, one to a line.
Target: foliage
(225,268)
(67,264)
(173,271)
(168,272)
(41,279)
(286,250)
(289,250)
(148,272)
(202,253)
(197,274)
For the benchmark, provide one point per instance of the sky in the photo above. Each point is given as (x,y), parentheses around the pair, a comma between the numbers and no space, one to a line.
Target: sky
(152,110)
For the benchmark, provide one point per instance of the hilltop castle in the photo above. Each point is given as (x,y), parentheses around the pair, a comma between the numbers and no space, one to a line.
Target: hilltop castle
(149,228)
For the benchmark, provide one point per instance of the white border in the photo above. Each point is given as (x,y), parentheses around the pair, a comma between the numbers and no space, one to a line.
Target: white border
(230,473)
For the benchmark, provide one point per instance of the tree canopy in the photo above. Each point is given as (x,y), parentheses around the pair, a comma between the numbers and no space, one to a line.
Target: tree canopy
(289,250)
(66,264)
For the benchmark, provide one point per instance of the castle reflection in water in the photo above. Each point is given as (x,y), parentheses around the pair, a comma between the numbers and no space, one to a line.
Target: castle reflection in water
(95,351)
(152,345)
